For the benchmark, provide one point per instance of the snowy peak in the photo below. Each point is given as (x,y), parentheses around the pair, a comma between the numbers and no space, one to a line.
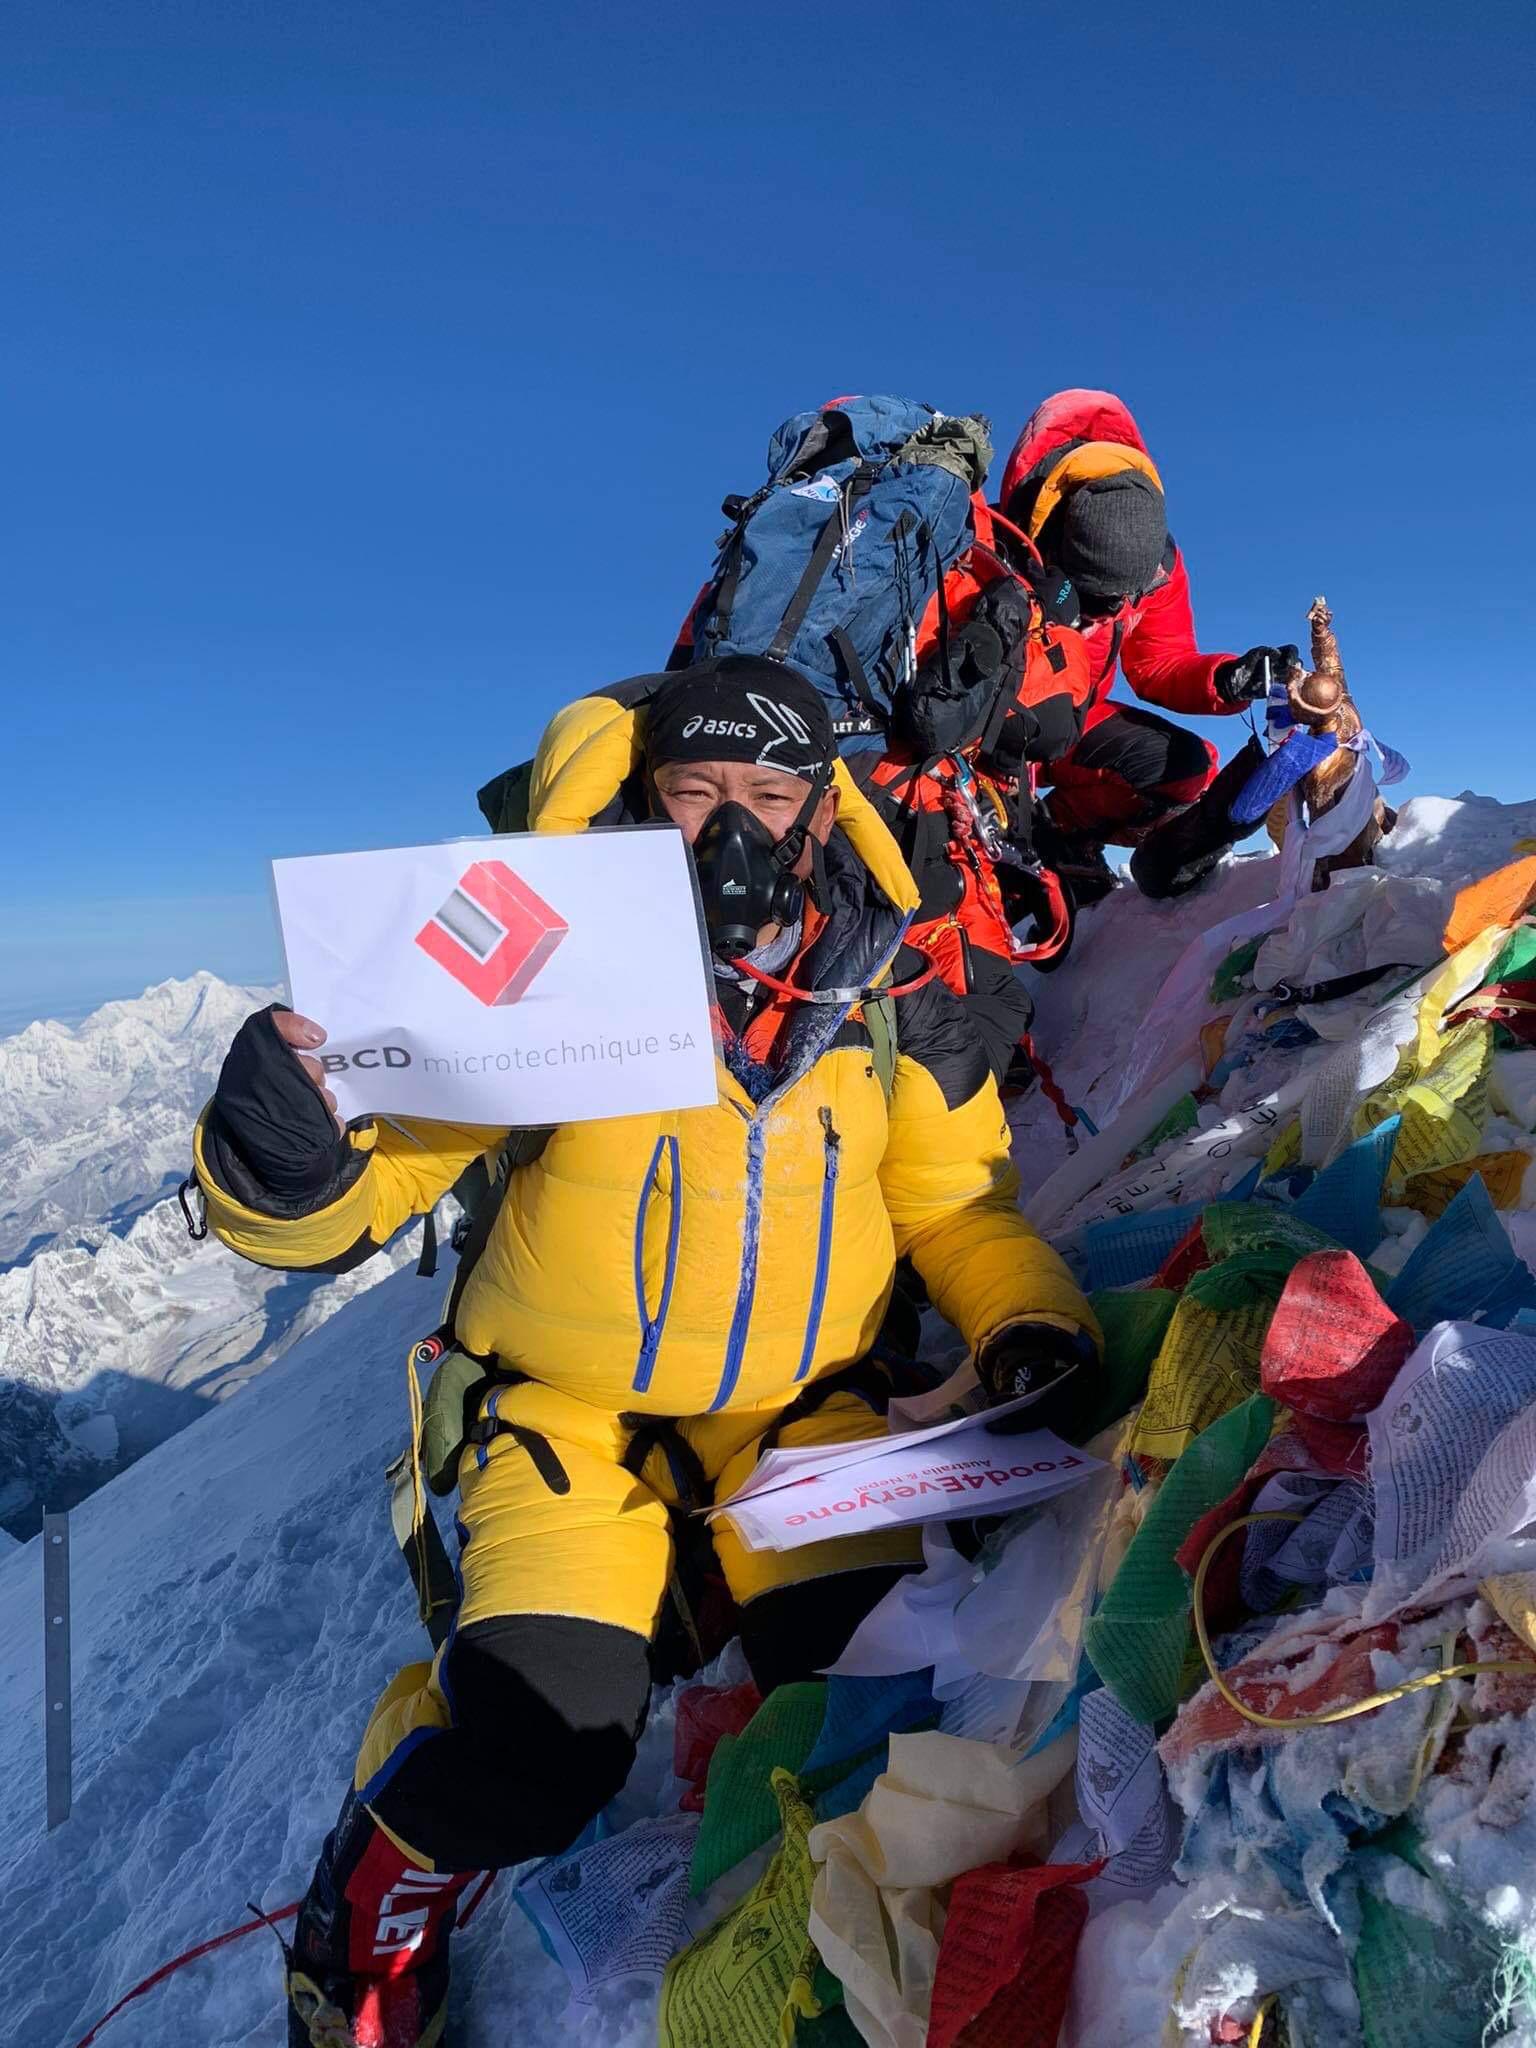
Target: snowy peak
(113,1342)
(115,1329)
(172,1008)
(95,1117)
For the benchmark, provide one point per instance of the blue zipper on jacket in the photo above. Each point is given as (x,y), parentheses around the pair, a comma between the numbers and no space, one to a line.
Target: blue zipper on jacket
(831,1151)
(651,1327)
(746,1290)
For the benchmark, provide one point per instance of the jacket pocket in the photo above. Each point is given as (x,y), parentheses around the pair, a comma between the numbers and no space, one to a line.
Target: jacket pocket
(832,1146)
(652,1326)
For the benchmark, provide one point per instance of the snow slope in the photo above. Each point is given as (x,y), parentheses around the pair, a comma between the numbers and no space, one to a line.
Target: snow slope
(239,1603)
(124,1339)
(94,1116)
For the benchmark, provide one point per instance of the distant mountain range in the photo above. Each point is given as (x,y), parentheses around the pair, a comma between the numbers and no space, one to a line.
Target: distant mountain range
(94,1116)
(115,1328)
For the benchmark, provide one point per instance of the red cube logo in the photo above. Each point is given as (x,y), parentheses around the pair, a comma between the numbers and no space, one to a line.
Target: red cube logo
(494,934)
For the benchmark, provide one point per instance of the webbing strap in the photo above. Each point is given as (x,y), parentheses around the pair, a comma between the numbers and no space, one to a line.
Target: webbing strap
(1004,697)
(483,1209)
(542,1453)
(838,523)
(867,1378)
(660,1432)
(943,598)
(848,655)
(425,1553)
(740,510)
(1113,656)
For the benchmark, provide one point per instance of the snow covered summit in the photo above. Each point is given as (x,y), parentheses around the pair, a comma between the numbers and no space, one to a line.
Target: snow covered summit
(94,1116)
(115,1329)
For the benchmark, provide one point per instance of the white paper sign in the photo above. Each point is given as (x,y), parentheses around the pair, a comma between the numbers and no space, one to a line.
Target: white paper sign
(788,1466)
(525,979)
(898,1480)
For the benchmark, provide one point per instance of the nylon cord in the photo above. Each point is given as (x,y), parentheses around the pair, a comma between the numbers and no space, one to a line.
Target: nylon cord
(1523,1667)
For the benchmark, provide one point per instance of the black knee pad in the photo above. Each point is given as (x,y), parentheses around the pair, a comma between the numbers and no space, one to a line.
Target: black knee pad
(546,1711)
(1187,755)
(1143,750)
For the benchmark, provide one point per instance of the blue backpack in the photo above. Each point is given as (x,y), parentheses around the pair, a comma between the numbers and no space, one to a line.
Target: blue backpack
(832,564)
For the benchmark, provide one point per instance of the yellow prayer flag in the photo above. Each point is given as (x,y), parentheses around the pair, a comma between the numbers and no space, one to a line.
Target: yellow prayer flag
(1209,1361)
(743,1983)
(1503,1174)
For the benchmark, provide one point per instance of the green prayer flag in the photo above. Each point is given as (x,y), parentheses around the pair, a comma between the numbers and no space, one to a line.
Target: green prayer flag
(740,1809)
(1136,1639)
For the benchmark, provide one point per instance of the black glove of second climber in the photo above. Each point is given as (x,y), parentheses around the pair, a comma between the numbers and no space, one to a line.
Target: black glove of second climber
(1246,679)
(268,1131)
(1029,1358)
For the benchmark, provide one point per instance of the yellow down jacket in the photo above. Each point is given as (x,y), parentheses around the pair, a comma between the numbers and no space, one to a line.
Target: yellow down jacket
(710,1258)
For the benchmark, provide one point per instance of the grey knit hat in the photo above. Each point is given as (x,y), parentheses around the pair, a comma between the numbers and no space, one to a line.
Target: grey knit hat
(1110,536)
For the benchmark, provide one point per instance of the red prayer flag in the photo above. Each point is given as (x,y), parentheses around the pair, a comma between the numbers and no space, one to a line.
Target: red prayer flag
(1188,1257)
(704,1714)
(1005,1962)
(1333,1347)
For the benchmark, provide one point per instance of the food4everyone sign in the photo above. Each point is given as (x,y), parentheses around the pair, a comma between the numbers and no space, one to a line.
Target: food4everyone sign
(519,980)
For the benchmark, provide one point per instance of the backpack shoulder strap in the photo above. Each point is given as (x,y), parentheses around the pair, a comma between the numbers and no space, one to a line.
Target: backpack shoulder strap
(504,801)
(481,1194)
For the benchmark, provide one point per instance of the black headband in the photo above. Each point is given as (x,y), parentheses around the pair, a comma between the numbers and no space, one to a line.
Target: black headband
(741,708)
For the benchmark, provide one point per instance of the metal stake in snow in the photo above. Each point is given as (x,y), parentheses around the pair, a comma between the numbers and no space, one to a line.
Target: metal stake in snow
(56,1680)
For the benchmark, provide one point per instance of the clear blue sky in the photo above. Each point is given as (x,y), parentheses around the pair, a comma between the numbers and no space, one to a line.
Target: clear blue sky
(375,373)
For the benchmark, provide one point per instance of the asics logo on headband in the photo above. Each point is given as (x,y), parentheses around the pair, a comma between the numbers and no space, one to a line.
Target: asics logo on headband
(719,729)
(786,729)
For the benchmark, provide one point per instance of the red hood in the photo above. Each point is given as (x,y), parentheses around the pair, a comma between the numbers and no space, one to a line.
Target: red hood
(1069,416)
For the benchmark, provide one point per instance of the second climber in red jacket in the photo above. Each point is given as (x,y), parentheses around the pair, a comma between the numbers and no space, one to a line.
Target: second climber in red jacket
(1081,484)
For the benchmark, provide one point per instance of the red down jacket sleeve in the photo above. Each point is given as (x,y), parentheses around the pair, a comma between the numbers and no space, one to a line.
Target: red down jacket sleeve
(1160,659)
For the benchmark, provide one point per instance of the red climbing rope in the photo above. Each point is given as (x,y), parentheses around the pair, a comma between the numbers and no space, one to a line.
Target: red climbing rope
(1049,1087)
(836,997)
(478,1900)
(180,1962)
(206,1948)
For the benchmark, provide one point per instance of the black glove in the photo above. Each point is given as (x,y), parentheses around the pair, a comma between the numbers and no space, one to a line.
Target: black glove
(1028,1356)
(1247,681)
(268,1131)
